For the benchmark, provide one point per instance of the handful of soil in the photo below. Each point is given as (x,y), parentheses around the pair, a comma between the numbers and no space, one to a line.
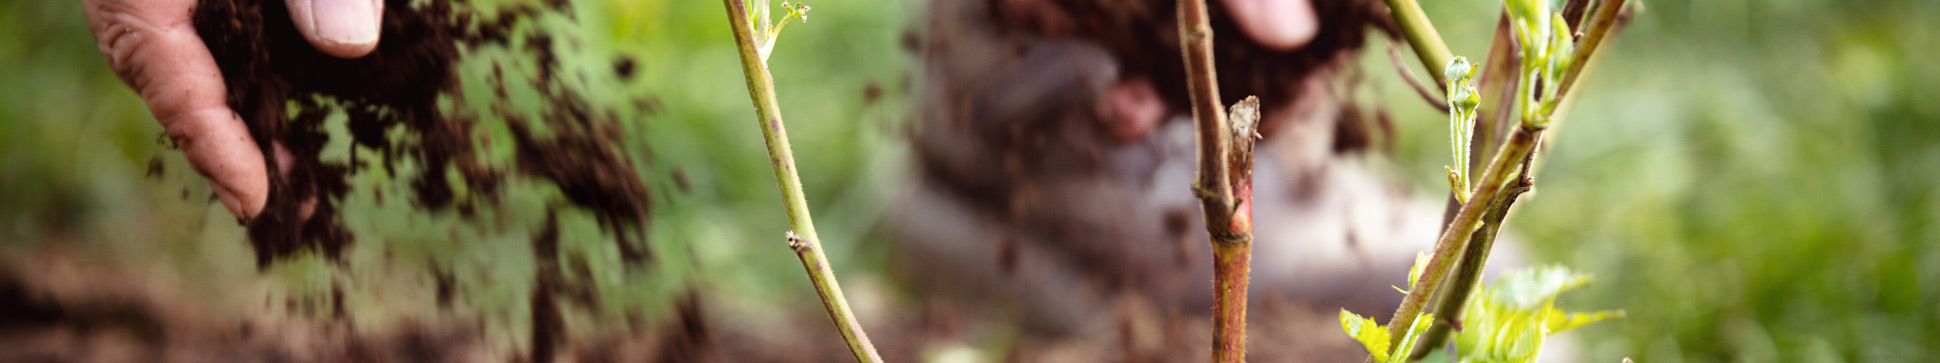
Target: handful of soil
(284,89)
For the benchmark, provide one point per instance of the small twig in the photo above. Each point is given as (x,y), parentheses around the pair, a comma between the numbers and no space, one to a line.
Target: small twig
(1499,77)
(1394,56)
(1573,13)
(1601,23)
(801,235)
(1422,36)
(1224,183)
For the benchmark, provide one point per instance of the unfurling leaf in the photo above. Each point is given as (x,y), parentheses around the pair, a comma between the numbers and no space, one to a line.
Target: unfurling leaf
(1372,336)
(1560,321)
(1375,337)
(1509,320)
(1529,289)
(1414,272)
(1408,341)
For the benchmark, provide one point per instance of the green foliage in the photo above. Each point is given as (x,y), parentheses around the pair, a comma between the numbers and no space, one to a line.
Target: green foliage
(1547,46)
(1754,181)
(1414,273)
(1374,337)
(1508,321)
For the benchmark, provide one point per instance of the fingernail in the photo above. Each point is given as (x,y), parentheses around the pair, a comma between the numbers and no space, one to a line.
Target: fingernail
(346,21)
(229,200)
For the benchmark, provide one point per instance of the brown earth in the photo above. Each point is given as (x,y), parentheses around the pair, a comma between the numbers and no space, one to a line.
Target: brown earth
(285,89)
(59,306)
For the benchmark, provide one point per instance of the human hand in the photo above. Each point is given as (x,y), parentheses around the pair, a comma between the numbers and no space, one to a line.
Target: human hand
(153,46)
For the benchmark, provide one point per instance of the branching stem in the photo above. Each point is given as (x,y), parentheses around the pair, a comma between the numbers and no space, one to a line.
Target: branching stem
(1468,272)
(1224,182)
(801,236)
(1455,239)
(1470,235)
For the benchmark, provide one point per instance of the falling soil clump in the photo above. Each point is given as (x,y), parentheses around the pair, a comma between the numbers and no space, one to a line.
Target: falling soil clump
(285,90)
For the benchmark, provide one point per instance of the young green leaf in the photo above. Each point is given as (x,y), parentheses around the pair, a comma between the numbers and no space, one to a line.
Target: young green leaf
(1529,289)
(1414,273)
(1509,320)
(1372,336)
(1408,341)
(1375,337)
(1560,321)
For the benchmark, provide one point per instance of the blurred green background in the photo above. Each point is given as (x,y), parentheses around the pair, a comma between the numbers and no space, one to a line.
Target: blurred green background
(1752,180)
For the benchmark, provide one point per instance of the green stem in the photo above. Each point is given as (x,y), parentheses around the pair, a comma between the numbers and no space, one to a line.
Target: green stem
(1468,272)
(1455,239)
(1470,235)
(1422,36)
(802,237)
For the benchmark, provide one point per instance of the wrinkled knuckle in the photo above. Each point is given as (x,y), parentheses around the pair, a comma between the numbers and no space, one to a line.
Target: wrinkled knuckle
(122,38)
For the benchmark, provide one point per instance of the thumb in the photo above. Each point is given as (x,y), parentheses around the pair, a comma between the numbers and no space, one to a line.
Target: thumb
(154,49)
(1282,25)
(342,28)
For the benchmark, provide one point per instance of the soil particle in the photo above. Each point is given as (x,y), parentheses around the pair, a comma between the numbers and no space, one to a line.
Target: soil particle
(547,321)
(624,68)
(155,168)
(871,93)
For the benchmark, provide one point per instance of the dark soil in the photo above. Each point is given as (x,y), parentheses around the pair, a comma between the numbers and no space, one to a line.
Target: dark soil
(1144,36)
(284,89)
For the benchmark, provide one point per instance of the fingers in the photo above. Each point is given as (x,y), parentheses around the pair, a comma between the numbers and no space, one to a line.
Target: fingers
(342,28)
(1277,24)
(152,45)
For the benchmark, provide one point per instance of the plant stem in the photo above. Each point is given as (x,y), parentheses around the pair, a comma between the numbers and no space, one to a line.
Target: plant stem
(1498,86)
(1455,239)
(1228,216)
(1436,101)
(1231,265)
(1468,272)
(1422,36)
(1499,77)
(801,235)
(1473,229)
(1601,23)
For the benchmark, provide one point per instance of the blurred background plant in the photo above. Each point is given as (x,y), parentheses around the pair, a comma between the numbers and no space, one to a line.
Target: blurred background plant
(1751,180)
